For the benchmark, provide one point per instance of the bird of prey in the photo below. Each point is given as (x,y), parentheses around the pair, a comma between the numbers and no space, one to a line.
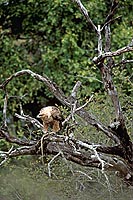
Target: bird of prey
(51,118)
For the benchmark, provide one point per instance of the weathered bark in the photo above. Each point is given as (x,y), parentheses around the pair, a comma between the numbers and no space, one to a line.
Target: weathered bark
(82,152)
(67,101)
(74,150)
(81,158)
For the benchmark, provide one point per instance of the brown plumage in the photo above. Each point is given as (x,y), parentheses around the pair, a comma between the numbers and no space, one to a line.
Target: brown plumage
(51,117)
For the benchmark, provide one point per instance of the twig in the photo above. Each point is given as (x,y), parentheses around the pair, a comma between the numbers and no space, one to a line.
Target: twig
(5,111)
(42,138)
(110,22)
(73,109)
(103,163)
(114,6)
(90,99)
(84,174)
(5,160)
(21,110)
(75,89)
(123,62)
(30,119)
(85,13)
(98,157)
(66,120)
(5,155)
(49,171)
(73,98)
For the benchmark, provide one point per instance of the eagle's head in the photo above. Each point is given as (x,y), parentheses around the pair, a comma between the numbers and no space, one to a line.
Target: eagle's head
(50,113)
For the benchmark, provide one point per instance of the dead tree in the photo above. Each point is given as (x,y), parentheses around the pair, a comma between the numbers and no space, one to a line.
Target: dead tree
(118,157)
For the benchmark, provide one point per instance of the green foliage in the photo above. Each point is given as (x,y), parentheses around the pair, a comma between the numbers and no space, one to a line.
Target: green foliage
(52,37)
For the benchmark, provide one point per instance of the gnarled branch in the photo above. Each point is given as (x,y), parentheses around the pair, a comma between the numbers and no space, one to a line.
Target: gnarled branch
(89,118)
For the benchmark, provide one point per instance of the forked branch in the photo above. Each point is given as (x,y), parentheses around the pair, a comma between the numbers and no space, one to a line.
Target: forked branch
(58,93)
(85,13)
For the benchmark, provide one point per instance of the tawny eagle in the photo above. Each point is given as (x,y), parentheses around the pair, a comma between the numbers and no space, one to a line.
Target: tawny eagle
(51,117)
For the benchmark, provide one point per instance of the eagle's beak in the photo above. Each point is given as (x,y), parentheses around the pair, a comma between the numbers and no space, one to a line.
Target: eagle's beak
(38,116)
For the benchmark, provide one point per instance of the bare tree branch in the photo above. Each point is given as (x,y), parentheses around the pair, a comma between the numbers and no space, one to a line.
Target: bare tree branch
(5,135)
(114,6)
(100,58)
(85,13)
(75,89)
(4,111)
(123,61)
(110,22)
(106,71)
(82,152)
(32,120)
(119,126)
(99,41)
(89,118)
(85,154)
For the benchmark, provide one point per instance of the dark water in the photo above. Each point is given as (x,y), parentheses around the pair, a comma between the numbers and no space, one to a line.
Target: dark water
(29,180)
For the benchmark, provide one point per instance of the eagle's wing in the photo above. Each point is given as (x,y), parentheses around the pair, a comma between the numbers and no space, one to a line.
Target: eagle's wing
(56,113)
